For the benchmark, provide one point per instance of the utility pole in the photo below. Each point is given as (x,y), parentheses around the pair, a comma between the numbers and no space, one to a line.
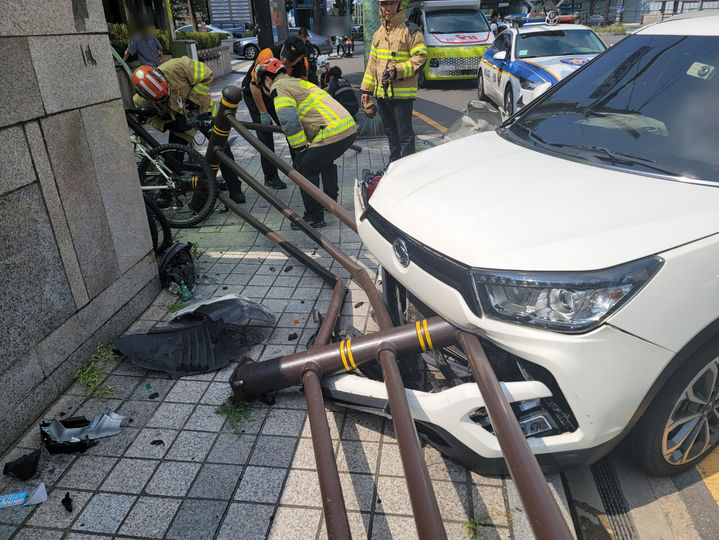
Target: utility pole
(191,11)
(316,16)
(263,20)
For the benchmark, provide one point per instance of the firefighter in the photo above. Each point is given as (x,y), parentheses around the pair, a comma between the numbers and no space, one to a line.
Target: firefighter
(177,89)
(317,127)
(260,105)
(398,52)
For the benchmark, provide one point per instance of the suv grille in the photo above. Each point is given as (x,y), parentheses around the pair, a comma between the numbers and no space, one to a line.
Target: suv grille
(449,67)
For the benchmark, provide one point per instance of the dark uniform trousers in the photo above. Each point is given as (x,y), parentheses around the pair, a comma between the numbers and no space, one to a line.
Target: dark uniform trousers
(317,161)
(396,117)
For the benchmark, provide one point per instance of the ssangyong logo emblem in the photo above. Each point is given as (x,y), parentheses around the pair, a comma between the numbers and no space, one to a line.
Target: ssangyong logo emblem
(401,251)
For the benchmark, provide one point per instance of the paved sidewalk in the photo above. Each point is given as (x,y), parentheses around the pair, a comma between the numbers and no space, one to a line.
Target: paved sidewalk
(206,481)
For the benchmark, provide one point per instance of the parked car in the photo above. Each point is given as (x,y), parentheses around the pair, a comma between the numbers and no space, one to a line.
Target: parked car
(595,20)
(322,44)
(247,47)
(358,32)
(237,28)
(524,62)
(585,258)
(209,28)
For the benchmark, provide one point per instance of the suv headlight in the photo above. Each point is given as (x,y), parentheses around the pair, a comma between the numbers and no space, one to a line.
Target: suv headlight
(563,301)
(527,84)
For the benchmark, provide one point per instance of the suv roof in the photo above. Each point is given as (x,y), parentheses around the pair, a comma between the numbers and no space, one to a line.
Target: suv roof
(700,23)
(532,28)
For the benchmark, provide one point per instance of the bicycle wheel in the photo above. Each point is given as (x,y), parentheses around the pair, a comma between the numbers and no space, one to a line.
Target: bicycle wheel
(178,179)
(159,227)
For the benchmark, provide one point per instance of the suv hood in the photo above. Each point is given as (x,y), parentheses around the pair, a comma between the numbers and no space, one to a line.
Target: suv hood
(490,203)
(555,68)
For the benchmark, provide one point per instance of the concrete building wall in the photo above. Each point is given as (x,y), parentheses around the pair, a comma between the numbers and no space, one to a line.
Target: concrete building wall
(76,261)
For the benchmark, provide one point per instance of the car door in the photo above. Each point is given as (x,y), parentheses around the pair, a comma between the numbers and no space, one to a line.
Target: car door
(493,75)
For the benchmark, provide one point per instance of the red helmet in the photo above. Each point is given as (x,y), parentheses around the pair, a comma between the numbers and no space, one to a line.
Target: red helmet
(150,84)
(271,67)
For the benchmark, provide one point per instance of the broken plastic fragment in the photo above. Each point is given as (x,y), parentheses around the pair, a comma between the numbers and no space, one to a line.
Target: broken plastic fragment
(158,442)
(67,502)
(229,308)
(359,304)
(154,395)
(148,386)
(296,321)
(75,434)
(24,498)
(23,467)
(272,268)
(292,336)
(288,268)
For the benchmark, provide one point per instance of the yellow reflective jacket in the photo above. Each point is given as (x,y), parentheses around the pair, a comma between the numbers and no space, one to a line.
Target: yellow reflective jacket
(309,115)
(189,81)
(399,43)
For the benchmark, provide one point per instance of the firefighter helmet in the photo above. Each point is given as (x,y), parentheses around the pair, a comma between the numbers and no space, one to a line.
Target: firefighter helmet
(150,83)
(270,67)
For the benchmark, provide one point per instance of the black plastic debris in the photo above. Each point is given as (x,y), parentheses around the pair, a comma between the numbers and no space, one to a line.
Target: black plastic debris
(272,268)
(157,442)
(224,287)
(67,502)
(77,434)
(154,395)
(178,266)
(288,268)
(359,304)
(292,336)
(200,338)
(23,467)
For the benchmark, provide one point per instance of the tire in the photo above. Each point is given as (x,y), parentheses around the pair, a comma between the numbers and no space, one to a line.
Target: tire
(693,439)
(159,226)
(509,100)
(251,52)
(192,196)
(315,52)
(480,86)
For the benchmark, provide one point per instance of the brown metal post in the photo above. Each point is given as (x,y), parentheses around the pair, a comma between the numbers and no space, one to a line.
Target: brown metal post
(542,509)
(424,503)
(333,503)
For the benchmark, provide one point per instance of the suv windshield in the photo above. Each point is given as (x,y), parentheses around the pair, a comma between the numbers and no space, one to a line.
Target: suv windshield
(557,43)
(647,105)
(456,21)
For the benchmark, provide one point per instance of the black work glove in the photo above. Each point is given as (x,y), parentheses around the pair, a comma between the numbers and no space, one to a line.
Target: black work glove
(299,155)
(178,124)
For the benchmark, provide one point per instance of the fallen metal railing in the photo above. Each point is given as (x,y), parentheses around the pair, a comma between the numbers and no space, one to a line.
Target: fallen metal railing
(386,345)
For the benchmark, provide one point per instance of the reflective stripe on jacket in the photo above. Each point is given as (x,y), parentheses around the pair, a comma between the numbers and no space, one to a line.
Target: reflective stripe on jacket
(189,81)
(400,44)
(309,115)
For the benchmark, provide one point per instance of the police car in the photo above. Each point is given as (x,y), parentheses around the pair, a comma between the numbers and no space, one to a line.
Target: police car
(589,266)
(524,62)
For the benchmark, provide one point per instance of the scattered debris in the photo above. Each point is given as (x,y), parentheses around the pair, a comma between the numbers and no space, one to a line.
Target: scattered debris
(359,304)
(154,395)
(296,321)
(224,287)
(200,338)
(302,301)
(292,336)
(91,375)
(287,268)
(178,269)
(24,498)
(272,268)
(204,279)
(67,502)
(175,306)
(23,467)
(236,413)
(77,434)
(478,116)
(157,442)
(148,386)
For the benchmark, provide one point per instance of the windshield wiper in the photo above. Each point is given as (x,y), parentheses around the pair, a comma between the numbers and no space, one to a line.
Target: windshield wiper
(617,158)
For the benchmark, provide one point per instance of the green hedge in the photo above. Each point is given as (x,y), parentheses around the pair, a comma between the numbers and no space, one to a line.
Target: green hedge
(119,35)
(204,40)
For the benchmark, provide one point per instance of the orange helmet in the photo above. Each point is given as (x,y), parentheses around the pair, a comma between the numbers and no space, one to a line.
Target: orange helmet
(150,83)
(271,67)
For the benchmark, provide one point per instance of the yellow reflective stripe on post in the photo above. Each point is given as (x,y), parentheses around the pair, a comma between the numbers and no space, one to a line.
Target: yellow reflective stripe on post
(220,131)
(297,139)
(349,354)
(426,334)
(344,358)
(228,104)
(419,49)
(419,336)
(282,102)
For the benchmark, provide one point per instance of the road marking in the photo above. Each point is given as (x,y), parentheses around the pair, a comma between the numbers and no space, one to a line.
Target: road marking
(436,125)
(709,470)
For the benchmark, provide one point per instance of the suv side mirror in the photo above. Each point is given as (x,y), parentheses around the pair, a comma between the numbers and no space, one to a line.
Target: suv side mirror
(500,55)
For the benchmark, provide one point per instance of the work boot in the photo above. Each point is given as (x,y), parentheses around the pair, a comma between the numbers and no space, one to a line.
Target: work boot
(239,198)
(275,183)
(316,222)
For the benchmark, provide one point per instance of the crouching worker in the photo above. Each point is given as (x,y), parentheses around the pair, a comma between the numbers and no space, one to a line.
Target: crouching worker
(317,127)
(178,89)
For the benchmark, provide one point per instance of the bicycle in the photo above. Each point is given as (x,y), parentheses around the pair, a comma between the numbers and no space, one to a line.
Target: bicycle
(159,226)
(176,178)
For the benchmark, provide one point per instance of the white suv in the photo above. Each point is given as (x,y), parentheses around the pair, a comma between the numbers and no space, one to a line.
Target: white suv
(580,241)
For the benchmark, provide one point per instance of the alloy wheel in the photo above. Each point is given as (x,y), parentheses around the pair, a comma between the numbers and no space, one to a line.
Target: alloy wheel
(693,425)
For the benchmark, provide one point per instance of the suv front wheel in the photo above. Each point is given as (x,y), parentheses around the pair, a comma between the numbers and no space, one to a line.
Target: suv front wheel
(681,426)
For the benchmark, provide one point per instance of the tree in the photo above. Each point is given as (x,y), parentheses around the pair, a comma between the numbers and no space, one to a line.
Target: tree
(180,13)
(341,6)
